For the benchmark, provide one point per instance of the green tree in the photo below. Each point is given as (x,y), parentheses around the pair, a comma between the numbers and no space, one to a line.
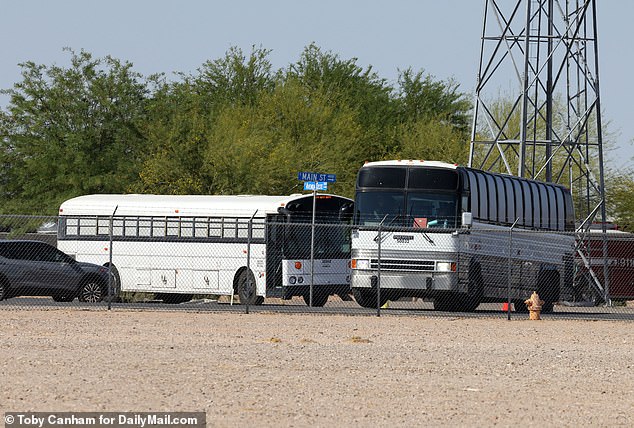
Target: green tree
(70,131)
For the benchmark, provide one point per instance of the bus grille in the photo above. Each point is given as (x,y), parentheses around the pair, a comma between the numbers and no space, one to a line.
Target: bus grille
(403,265)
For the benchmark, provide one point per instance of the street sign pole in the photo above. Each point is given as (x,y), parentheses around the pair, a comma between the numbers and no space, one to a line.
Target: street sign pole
(314,181)
(312,251)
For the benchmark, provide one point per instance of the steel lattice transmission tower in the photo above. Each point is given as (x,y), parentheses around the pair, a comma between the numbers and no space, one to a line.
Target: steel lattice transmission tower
(537,110)
(537,107)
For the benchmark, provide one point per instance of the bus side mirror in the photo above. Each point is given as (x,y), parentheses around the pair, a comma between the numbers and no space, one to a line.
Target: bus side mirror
(467,220)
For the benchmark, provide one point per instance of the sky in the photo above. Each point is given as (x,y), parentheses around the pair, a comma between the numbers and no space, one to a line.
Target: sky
(441,37)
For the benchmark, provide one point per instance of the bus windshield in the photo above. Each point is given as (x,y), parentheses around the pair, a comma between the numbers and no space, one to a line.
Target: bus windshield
(332,237)
(407,209)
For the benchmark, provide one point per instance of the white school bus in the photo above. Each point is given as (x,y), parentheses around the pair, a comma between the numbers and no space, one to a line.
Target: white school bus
(180,246)
(445,236)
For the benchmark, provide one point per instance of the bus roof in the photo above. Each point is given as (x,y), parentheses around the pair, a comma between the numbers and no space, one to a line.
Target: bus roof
(179,205)
(411,162)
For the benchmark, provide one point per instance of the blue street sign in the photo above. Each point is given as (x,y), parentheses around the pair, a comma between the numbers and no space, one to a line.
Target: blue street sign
(316,176)
(315,185)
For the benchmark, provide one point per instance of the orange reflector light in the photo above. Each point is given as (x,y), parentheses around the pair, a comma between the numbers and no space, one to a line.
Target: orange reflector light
(453,266)
(298,265)
(353,263)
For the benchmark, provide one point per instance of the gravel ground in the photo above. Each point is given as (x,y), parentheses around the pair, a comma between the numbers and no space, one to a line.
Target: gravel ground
(311,370)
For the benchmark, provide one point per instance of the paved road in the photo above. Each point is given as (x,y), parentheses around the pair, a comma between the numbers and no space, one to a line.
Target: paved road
(334,306)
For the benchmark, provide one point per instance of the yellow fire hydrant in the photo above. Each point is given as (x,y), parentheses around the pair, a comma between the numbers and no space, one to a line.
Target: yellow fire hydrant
(534,305)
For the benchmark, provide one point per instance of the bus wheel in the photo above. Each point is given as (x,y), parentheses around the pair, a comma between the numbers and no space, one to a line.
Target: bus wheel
(319,299)
(452,303)
(115,283)
(548,289)
(475,290)
(367,298)
(175,299)
(247,290)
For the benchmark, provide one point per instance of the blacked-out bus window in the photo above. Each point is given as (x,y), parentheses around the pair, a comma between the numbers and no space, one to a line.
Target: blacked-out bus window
(501,196)
(385,177)
(482,190)
(493,209)
(510,200)
(528,204)
(473,185)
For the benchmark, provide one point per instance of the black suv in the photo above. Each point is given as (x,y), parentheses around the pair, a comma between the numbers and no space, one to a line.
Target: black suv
(34,268)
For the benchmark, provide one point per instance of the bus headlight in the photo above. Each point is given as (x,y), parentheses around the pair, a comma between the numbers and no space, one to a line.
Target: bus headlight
(360,264)
(446,266)
(292,280)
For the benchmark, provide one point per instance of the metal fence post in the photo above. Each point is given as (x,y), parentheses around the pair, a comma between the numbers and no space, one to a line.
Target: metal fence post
(510,269)
(378,270)
(110,258)
(249,283)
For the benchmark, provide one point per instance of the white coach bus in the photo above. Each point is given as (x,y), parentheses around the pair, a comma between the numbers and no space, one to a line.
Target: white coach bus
(445,236)
(179,246)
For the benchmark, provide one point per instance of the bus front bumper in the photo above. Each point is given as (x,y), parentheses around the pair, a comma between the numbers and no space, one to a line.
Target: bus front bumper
(418,281)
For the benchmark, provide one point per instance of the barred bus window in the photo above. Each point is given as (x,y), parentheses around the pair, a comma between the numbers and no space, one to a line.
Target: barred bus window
(201,227)
(117,227)
(130,227)
(158,227)
(173,227)
(257,231)
(187,227)
(229,226)
(103,226)
(88,226)
(243,228)
(145,227)
(72,226)
(215,227)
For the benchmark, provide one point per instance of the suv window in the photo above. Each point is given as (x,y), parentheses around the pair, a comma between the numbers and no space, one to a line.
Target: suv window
(32,251)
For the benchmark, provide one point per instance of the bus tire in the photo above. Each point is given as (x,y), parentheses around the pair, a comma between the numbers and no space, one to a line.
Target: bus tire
(4,289)
(319,299)
(247,291)
(449,303)
(175,298)
(116,286)
(475,290)
(548,289)
(367,298)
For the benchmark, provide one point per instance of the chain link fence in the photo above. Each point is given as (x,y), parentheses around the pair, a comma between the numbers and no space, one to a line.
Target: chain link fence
(246,264)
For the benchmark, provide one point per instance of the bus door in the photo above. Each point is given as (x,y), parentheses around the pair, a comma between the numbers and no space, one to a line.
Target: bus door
(275,224)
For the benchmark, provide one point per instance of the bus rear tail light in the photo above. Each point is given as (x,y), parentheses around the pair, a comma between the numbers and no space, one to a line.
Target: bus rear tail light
(298,265)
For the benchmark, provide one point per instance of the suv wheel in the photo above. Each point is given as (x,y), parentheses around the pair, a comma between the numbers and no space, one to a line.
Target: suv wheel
(91,291)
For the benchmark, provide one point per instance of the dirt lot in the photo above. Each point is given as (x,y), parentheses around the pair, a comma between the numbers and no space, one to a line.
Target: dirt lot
(312,370)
